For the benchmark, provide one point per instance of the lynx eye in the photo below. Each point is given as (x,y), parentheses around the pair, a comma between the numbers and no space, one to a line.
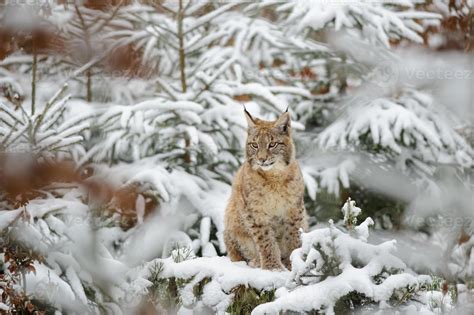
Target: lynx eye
(254,145)
(272,144)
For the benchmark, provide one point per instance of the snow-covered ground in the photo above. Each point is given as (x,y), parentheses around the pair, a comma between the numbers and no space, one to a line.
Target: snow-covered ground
(122,126)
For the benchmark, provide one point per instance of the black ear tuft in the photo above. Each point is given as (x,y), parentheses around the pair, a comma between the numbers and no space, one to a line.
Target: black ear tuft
(250,119)
(283,123)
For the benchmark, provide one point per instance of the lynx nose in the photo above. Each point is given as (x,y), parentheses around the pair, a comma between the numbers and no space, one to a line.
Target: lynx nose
(262,160)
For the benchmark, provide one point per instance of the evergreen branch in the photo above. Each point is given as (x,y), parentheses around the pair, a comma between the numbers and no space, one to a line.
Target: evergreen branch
(166,29)
(40,118)
(221,70)
(155,25)
(166,88)
(110,18)
(188,5)
(208,17)
(51,121)
(85,29)
(7,110)
(158,5)
(33,78)
(75,122)
(87,66)
(53,148)
(182,64)
(166,41)
(21,133)
(5,141)
(111,117)
(6,122)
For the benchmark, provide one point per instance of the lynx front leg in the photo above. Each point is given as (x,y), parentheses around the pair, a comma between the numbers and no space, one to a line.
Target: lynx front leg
(291,238)
(267,246)
(232,247)
(289,242)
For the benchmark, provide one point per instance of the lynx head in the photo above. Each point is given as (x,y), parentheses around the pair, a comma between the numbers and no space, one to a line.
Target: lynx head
(269,144)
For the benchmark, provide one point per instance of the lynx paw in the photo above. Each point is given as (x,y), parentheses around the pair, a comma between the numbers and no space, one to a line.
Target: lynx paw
(254,263)
(287,263)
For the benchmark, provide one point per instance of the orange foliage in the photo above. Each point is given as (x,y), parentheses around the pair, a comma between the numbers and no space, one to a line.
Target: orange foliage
(126,61)
(20,261)
(464,238)
(243,98)
(20,188)
(104,5)
(40,40)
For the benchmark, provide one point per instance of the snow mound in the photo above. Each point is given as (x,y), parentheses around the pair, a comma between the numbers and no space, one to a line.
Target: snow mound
(222,274)
(332,264)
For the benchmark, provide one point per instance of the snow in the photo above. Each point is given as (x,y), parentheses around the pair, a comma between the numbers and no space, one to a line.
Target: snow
(305,288)
(48,286)
(7,217)
(205,230)
(224,275)
(379,22)
(181,147)
(350,210)
(4,307)
(393,123)
(359,262)
(63,235)
(325,294)
(332,177)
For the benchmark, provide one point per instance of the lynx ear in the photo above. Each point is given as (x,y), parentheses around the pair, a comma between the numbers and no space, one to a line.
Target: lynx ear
(283,122)
(250,120)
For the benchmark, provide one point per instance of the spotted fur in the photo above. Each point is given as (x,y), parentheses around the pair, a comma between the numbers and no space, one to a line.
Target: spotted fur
(266,210)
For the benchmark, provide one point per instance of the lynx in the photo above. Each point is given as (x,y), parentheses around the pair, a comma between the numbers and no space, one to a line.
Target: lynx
(266,210)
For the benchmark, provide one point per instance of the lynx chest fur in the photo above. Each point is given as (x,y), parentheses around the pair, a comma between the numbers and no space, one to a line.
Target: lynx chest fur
(275,193)
(266,209)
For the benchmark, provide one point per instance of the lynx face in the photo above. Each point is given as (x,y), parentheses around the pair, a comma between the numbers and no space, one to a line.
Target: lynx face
(269,145)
